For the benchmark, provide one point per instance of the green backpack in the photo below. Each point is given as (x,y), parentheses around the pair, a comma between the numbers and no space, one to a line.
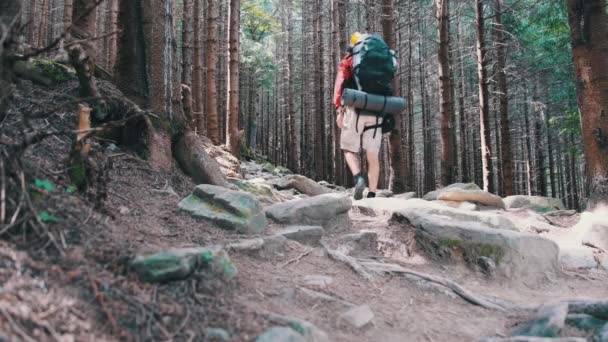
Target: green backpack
(374,65)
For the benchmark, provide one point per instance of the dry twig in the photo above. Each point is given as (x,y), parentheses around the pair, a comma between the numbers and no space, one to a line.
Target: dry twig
(297,259)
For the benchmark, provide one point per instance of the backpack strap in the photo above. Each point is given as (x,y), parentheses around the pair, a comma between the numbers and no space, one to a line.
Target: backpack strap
(378,124)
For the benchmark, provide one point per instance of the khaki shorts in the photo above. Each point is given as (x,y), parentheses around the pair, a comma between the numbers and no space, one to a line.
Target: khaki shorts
(353,140)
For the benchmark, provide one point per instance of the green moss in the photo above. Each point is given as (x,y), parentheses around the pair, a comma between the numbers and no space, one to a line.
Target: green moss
(474,251)
(56,72)
(450,243)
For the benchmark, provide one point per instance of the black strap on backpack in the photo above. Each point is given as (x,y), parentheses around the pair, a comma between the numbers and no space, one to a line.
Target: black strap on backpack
(378,124)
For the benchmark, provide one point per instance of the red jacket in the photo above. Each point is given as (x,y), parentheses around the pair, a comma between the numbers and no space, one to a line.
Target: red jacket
(345,72)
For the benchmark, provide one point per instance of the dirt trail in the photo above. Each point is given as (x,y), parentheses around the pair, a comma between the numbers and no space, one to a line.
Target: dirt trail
(405,308)
(91,294)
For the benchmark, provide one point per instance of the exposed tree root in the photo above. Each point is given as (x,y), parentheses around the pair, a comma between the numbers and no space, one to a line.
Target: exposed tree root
(350,261)
(362,266)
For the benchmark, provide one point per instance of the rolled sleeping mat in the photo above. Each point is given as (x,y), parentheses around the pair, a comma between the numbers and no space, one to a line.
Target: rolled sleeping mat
(373,103)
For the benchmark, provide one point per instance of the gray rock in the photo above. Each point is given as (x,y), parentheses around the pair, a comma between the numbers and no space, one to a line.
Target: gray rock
(431,196)
(217,334)
(406,196)
(301,183)
(383,206)
(384,193)
(266,247)
(310,332)
(475,196)
(486,265)
(549,322)
(231,210)
(359,244)
(318,281)
(536,203)
(358,317)
(177,264)
(280,334)
(533,339)
(517,255)
(263,192)
(282,171)
(310,235)
(328,210)
(585,322)
(268,167)
(602,335)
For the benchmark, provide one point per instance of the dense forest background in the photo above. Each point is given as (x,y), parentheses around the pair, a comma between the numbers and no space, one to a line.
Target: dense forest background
(282,67)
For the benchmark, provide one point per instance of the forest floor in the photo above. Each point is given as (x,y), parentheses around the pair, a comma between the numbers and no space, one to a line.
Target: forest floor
(89,292)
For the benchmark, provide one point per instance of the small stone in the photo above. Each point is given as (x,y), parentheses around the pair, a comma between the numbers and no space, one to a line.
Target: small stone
(318,281)
(310,235)
(280,334)
(217,334)
(124,210)
(358,316)
(486,265)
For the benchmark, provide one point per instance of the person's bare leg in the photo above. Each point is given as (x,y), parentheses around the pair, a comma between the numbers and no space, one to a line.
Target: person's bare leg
(373,170)
(352,160)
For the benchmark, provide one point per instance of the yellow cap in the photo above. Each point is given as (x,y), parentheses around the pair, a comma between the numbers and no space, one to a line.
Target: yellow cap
(354,38)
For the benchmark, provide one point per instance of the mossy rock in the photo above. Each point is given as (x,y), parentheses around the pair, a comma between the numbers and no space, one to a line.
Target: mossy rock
(178,264)
(268,167)
(56,72)
(231,210)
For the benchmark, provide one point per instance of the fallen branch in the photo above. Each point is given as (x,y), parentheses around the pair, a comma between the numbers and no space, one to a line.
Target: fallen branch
(297,259)
(16,327)
(99,297)
(589,244)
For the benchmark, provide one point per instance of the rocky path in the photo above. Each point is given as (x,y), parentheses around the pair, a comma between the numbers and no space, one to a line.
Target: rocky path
(285,258)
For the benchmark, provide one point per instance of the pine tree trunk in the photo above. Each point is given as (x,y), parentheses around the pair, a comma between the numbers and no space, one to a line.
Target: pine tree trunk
(113,25)
(32,31)
(503,98)
(187,50)
(526,131)
(67,13)
(446,94)
(83,55)
(232,115)
(589,38)
(198,119)
(551,156)
(43,23)
(411,180)
(484,110)
(398,174)
(210,62)
(291,115)
(573,177)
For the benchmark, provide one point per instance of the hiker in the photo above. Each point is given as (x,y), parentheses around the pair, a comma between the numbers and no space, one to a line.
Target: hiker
(368,66)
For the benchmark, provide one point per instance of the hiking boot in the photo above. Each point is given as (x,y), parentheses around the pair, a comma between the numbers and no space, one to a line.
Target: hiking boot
(359,187)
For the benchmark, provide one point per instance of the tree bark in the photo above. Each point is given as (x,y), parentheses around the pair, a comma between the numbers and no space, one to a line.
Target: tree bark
(113,24)
(398,174)
(198,119)
(589,38)
(484,110)
(503,100)
(292,160)
(210,62)
(83,55)
(446,94)
(232,115)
